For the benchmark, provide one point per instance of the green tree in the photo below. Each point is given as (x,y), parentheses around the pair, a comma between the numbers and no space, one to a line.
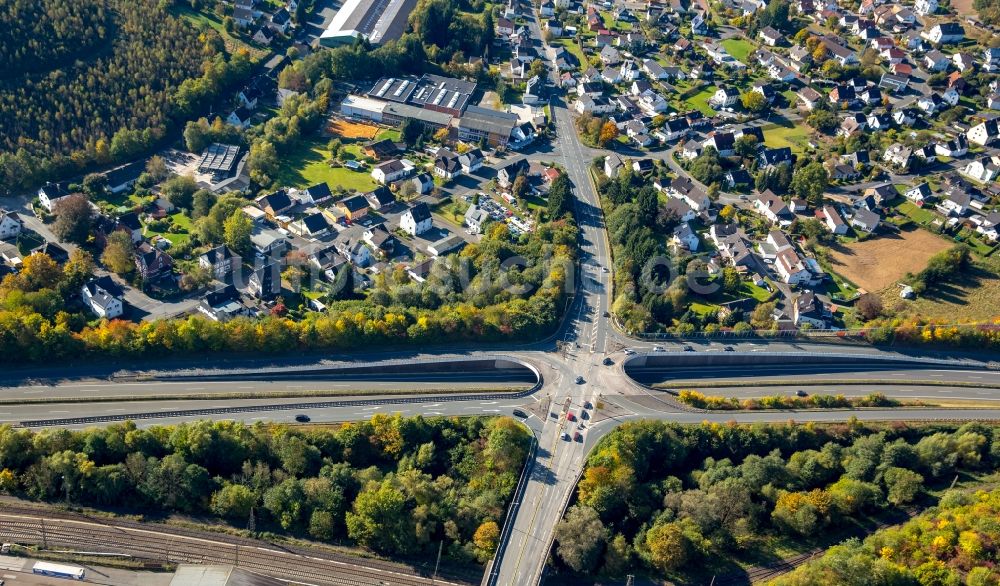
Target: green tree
(179,190)
(754,101)
(580,536)
(119,253)
(74,218)
(378,521)
(902,485)
(263,162)
(810,182)
(233,501)
(236,231)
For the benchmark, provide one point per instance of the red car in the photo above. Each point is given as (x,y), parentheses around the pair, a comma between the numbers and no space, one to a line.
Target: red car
(570,416)
(578,437)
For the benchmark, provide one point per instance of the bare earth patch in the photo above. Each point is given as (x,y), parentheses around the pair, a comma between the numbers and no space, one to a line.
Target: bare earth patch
(963,7)
(878,263)
(345,129)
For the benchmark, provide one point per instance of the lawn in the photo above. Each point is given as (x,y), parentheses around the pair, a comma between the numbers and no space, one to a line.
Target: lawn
(795,137)
(916,213)
(452,210)
(699,101)
(573,48)
(203,19)
(740,49)
(306,165)
(175,238)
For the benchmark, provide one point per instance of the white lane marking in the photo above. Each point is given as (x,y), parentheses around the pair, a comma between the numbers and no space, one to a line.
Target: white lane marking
(375,408)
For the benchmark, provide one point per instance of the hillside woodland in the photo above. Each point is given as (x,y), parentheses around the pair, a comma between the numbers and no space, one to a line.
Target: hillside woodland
(98,81)
(392,485)
(675,500)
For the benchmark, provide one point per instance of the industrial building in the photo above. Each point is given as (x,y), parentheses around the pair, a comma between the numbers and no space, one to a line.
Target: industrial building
(376,21)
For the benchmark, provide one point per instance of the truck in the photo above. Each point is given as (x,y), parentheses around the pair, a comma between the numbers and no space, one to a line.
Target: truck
(58,570)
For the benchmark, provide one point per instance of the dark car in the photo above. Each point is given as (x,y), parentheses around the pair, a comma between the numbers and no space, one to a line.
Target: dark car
(729,349)
(578,437)
(587,405)
(519,413)
(688,349)
(608,362)
(801,393)
(607,314)
(579,380)
(302,418)
(570,416)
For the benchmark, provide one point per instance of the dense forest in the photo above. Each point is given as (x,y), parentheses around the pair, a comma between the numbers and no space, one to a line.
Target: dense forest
(680,501)
(392,485)
(108,104)
(952,544)
(40,35)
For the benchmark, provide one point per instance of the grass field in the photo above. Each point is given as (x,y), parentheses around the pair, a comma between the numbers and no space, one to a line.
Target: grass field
(740,49)
(699,101)
(202,19)
(795,137)
(877,264)
(181,220)
(916,213)
(973,297)
(306,165)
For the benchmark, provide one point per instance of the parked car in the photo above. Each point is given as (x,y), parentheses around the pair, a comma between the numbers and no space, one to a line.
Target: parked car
(578,437)
(565,436)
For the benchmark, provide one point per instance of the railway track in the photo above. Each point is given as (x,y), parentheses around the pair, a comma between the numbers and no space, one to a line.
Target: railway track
(69,532)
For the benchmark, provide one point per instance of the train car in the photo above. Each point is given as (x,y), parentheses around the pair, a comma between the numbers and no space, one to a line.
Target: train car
(58,571)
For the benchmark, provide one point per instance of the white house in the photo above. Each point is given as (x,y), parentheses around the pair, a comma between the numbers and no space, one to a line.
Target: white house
(834,223)
(866,220)
(10,225)
(51,194)
(918,194)
(984,170)
(416,220)
(945,33)
(103,296)
(790,267)
(984,133)
(724,97)
(684,237)
(925,7)
(390,171)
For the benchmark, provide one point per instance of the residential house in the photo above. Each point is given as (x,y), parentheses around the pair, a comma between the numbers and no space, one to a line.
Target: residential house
(390,171)
(220,261)
(925,7)
(104,297)
(684,188)
(839,53)
(772,157)
(773,208)
(51,194)
(955,202)
(954,148)
(380,240)
(423,183)
(807,309)
(281,21)
(918,194)
(834,223)
(985,132)
(724,97)
(865,220)
(416,220)
(898,155)
(684,237)
(123,178)
(265,281)
(612,165)
(268,242)
(311,226)
(984,169)
(654,70)
(991,59)
(809,97)
(240,117)
(316,194)
(380,197)
(446,164)
(770,36)
(380,150)
(152,262)
(10,225)
(936,61)
(475,218)
(945,33)
(223,305)
(275,204)
(508,173)
(354,207)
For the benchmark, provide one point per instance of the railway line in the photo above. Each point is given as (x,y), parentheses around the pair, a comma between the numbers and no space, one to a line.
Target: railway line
(142,541)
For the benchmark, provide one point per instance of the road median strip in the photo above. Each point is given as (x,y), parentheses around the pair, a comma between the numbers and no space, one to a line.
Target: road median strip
(819,383)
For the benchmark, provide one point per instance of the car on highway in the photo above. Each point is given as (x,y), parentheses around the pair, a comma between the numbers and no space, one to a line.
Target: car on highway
(578,437)
(607,314)
(302,418)
(729,349)
(579,380)
(608,362)
(565,436)
(519,413)
(604,269)
(657,348)
(801,393)
(688,349)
